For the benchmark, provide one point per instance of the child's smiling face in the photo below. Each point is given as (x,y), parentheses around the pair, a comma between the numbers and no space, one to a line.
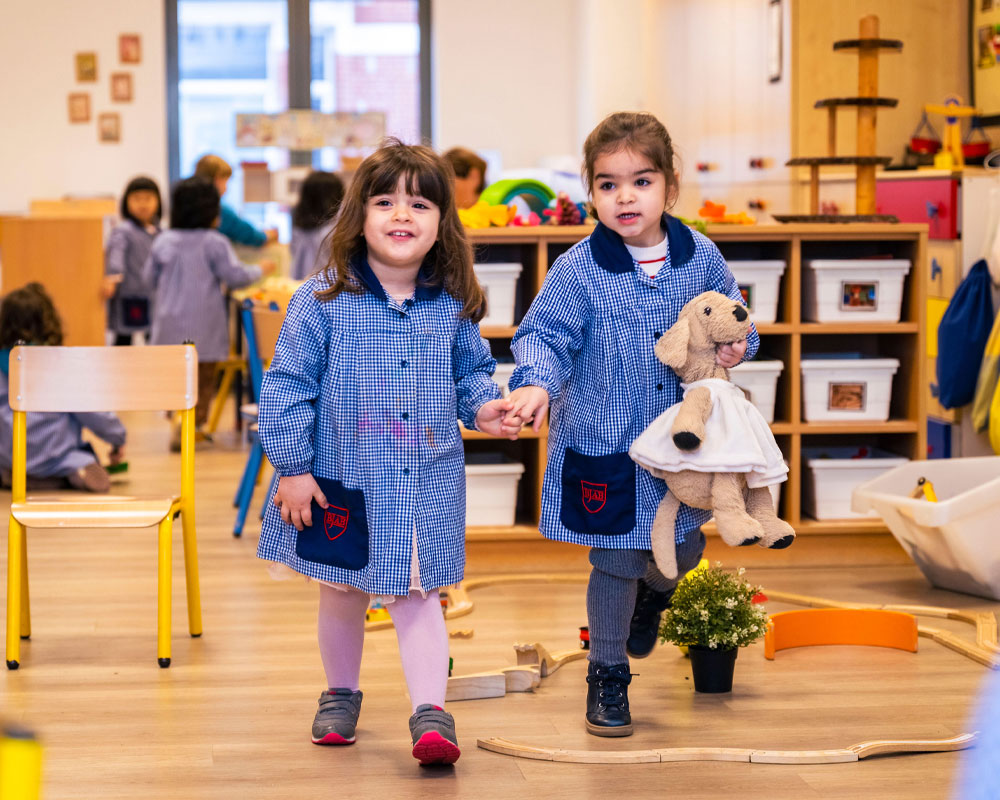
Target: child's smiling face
(400,228)
(629,196)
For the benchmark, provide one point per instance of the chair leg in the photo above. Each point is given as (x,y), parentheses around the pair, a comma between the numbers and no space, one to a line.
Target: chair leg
(25,596)
(218,403)
(164,586)
(245,487)
(191,570)
(270,491)
(254,461)
(15,541)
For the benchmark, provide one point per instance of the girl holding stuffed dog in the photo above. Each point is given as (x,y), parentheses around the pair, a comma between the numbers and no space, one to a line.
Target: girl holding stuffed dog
(379,357)
(586,347)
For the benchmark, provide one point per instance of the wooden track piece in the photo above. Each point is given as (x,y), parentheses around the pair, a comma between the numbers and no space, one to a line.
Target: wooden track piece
(547,662)
(476,686)
(839,626)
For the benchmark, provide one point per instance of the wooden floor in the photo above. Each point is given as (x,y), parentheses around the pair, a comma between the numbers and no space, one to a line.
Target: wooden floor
(231,717)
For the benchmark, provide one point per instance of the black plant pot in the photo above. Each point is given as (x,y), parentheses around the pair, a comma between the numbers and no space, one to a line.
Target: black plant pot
(712,669)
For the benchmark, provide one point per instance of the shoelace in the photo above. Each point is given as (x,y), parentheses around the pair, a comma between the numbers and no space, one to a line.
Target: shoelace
(611,682)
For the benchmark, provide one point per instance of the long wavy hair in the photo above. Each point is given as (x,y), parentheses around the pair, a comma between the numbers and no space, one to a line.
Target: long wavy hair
(426,174)
(28,315)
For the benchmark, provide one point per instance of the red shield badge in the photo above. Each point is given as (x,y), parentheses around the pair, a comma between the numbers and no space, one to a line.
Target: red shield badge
(594,495)
(335,521)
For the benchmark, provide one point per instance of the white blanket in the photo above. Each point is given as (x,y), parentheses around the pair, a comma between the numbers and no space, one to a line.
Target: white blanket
(737,439)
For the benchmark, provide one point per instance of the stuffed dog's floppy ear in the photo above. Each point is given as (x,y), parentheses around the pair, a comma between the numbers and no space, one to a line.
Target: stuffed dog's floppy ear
(672,347)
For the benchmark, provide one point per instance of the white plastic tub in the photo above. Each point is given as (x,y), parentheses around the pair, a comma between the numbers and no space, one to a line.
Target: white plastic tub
(499,282)
(759,381)
(954,541)
(759,282)
(853,290)
(833,473)
(502,375)
(847,388)
(491,490)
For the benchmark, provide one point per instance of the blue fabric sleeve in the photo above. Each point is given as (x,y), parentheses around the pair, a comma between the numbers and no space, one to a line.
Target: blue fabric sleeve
(233,226)
(292,385)
(551,333)
(227,267)
(114,253)
(105,424)
(472,365)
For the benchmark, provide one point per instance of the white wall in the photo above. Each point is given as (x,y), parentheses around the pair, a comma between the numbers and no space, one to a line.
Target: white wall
(41,154)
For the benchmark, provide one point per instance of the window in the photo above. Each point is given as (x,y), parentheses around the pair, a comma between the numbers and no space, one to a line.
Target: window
(251,56)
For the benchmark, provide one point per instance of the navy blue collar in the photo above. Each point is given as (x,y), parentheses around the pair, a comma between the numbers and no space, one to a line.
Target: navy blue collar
(611,255)
(364,273)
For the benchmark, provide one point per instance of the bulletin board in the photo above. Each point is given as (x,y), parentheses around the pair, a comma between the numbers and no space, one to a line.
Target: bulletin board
(984,59)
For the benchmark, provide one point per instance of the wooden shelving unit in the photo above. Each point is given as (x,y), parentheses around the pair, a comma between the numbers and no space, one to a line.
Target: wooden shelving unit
(790,338)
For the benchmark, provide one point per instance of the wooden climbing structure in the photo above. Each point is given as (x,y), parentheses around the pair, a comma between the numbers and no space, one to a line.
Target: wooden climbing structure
(868,45)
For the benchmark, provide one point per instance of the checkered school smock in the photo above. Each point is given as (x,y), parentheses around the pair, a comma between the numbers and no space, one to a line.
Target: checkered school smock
(588,340)
(368,392)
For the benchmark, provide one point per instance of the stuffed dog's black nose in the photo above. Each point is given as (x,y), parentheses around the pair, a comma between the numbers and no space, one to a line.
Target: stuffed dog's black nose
(740,313)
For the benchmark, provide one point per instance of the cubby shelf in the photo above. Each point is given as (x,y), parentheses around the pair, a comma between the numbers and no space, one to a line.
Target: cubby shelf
(789,338)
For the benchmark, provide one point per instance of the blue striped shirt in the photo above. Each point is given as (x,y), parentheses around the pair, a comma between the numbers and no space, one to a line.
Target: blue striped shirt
(368,391)
(588,340)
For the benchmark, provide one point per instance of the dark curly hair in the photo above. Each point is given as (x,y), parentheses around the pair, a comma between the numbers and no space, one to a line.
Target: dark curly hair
(319,200)
(141,184)
(194,203)
(29,315)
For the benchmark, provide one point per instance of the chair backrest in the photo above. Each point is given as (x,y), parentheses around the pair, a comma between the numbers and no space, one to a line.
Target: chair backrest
(261,326)
(149,378)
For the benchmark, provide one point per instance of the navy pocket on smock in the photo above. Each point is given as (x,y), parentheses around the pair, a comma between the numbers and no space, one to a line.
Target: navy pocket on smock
(338,536)
(598,493)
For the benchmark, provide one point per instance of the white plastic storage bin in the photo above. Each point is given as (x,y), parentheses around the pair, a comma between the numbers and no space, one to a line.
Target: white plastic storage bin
(759,282)
(491,489)
(759,380)
(854,289)
(499,282)
(953,541)
(502,375)
(847,388)
(833,473)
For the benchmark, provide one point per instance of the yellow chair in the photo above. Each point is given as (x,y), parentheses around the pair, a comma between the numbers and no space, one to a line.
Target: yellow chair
(68,379)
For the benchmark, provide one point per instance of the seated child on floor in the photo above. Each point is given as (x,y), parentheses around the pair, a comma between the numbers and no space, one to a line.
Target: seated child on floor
(57,454)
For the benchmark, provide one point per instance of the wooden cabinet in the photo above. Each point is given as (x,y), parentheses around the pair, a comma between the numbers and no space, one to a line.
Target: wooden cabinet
(789,338)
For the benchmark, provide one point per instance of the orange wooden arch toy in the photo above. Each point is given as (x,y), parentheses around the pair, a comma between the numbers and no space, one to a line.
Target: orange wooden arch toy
(857,626)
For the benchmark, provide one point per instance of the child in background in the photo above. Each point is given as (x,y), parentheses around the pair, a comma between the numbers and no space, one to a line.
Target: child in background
(312,221)
(586,345)
(57,455)
(379,356)
(125,255)
(187,268)
(470,175)
(231,224)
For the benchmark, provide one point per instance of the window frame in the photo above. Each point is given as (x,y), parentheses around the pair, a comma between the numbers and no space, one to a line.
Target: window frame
(299,75)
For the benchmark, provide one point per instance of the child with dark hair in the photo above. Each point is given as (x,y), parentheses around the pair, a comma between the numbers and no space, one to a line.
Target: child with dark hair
(187,268)
(312,221)
(217,170)
(125,254)
(57,455)
(470,175)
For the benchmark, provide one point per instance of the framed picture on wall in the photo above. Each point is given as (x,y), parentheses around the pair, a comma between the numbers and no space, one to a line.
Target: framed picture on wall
(79,107)
(109,127)
(86,67)
(984,60)
(121,87)
(129,48)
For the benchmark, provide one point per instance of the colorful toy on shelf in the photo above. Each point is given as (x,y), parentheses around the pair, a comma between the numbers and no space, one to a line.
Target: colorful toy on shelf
(924,143)
(377,612)
(526,222)
(484,215)
(925,489)
(563,211)
(976,144)
(951,155)
(584,637)
(535,194)
(716,214)
(698,224)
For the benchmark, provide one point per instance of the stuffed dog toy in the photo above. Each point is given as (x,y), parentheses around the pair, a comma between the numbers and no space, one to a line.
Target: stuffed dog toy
(713,449)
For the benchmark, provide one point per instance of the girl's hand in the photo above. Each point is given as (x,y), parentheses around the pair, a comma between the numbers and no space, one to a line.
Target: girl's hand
(492,419)
(729,355)
(267,266)
(294,497)
(109,285)
(528,404)
(117,455)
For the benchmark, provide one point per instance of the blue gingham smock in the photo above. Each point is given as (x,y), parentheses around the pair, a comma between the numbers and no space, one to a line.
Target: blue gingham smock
(588,340)
(369,392)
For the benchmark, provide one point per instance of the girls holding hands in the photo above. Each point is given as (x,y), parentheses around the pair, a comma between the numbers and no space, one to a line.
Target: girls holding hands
(586,347)
(379,356)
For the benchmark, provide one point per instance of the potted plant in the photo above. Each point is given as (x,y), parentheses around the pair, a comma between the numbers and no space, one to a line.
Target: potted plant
(714,613)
